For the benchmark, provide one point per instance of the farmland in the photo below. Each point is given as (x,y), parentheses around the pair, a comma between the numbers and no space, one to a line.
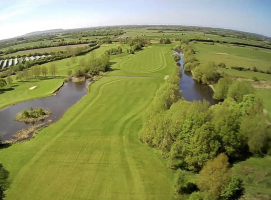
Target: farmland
(49,49)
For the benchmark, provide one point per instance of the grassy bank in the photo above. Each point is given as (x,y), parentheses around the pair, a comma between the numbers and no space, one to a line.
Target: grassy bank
(93,152)
(19,90)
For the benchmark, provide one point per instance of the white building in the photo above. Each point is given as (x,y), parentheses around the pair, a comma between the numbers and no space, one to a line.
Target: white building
(32,58)
(26,59)
(38,57)
(15,61)
(43,56)
(10,63)
(5,63)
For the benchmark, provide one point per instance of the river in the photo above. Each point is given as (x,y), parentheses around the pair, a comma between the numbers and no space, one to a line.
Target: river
(192,90)
(71,93)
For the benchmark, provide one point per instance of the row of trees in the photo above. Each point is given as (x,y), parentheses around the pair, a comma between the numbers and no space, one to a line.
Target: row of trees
(114,51)
(42,45)
(25,65)
(37,71)
(197,137)
(190,62)
(165,41)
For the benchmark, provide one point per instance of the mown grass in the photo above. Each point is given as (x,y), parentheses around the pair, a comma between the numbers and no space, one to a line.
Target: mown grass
(93,152)
(19,90)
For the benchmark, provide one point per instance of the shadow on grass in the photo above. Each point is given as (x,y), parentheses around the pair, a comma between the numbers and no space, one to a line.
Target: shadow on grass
(6,90)
(4,146)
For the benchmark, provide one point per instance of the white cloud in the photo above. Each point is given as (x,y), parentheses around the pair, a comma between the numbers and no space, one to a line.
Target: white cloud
(10,15)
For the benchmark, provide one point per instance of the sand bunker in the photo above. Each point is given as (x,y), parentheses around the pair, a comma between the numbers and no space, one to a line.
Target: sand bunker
(32,88)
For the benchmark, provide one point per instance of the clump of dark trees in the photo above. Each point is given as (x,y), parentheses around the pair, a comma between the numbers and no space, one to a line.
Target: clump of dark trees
(93,65)
(199,138)
(165,41)
(137,45)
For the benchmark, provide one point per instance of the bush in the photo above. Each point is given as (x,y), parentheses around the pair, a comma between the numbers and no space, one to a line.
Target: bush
(255,79)
(182,185)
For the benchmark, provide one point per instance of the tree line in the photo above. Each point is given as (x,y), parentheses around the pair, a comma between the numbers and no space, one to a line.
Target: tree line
(195,137)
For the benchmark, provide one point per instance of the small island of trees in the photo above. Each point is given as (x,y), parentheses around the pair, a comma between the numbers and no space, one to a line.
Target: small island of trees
(32,115)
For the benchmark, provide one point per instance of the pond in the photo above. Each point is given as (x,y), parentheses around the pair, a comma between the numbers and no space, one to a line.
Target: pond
(67,96)
(192,90)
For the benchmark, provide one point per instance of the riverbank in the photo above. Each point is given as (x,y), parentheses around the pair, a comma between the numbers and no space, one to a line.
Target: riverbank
(19,91)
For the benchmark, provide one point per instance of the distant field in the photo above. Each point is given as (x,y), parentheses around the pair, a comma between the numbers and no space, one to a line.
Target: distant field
(247,74)
(49,49)
(62,69)
(29,44)
(245,57)
(144,33)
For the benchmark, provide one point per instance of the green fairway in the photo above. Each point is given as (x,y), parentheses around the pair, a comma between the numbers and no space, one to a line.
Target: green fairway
(19,91)
(93,152)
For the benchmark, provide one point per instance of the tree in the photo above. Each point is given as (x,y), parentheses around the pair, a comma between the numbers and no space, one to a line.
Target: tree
(3,83)
(222,87)
(26,74)
(254,129)
(215,176)
(69,73)
(9,80)
(68,64)
(234,190)
(53,69)
(182,185)
(238,89)
(44,71)
(4,184)
(36,70)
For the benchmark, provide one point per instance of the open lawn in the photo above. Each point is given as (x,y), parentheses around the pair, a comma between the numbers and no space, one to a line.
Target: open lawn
(19,90)
(93,152)
(49,49)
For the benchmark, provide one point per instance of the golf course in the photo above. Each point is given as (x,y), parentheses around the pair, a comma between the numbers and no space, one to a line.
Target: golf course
(136,113)
(93,152)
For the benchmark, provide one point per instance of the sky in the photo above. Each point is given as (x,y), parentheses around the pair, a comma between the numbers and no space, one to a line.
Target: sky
(18,17)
